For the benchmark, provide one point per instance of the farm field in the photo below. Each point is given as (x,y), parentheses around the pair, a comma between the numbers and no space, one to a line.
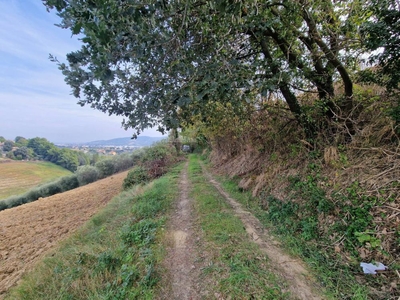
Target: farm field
(29,231)
(17,177)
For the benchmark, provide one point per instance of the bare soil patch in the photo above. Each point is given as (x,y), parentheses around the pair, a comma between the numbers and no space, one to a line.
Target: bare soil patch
(300,282)
(29,231)
(182,278)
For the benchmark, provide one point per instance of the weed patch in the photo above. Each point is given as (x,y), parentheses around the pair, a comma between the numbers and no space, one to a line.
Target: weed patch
(333,232)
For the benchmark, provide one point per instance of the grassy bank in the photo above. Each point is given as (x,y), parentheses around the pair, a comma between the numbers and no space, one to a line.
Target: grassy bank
(238,269)
(116,255)
(18,177)
(298,226)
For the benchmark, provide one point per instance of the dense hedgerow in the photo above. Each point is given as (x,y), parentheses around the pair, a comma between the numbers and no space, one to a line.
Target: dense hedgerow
(105,167)
(87,174)
(152,162)
(63,184)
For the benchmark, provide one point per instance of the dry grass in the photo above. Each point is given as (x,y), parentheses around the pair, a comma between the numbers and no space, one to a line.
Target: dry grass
(367,165)
(18,177)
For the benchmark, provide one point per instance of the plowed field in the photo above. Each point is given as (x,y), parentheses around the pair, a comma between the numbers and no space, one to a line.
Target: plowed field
(27,232)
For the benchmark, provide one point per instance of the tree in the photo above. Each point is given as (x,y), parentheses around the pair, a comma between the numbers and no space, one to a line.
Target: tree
(22,153)
(65,158)
(382,32)
(106,167)
(40,146)
(8,145)
(158,63)
(21,141)
(2,139)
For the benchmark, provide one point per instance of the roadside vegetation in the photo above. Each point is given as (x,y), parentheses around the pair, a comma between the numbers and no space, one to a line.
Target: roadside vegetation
(237,268)
(115,256)
(152,162)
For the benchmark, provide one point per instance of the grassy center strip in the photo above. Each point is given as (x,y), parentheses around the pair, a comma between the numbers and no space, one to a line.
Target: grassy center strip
(237,268)
(117,255)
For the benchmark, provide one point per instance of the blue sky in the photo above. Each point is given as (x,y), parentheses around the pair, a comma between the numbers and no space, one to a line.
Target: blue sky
(34,99)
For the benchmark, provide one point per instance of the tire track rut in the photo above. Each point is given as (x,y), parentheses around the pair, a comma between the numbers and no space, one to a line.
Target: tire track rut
(300,282)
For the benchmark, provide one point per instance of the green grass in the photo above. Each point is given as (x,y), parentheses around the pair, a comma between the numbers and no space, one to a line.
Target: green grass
(18,177)
(239,268)
(300,237)
(117,255)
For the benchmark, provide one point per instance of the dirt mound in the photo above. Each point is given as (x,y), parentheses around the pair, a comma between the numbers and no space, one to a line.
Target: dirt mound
(27,232)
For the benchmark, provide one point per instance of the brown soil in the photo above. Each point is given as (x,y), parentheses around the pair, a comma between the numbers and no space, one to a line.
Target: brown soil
(301,284)
(181,280)
(28,231)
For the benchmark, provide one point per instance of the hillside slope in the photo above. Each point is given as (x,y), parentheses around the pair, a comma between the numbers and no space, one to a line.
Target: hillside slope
(28,231)
(16,177)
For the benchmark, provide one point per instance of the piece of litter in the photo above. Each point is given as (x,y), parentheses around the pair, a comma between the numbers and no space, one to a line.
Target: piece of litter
(372,268)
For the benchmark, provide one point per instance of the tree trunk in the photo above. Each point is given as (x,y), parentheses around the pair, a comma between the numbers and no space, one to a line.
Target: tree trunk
(289,96)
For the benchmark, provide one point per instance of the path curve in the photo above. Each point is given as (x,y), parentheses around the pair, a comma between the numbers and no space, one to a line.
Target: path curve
(29,231)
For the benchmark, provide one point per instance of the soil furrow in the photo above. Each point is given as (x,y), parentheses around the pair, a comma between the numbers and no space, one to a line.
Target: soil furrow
(29,231)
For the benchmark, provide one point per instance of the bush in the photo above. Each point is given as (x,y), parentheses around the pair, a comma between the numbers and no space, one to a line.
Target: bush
(160,151)
(49,189)
(157,158)
(105,167)
(68,182)
(137,175)
(122,163)
(87,174)
(137,155)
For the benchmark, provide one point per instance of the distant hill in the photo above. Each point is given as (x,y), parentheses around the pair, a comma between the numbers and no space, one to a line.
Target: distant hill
(141,141)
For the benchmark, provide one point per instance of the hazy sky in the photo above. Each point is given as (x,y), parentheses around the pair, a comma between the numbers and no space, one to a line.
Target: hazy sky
(34,99)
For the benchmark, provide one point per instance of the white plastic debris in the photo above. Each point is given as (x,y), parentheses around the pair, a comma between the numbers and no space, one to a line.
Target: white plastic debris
(372,268)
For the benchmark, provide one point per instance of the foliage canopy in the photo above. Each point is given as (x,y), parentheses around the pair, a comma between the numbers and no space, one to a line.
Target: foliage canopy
(160,63)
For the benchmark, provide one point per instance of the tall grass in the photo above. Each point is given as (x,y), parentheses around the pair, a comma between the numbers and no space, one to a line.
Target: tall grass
(301,237)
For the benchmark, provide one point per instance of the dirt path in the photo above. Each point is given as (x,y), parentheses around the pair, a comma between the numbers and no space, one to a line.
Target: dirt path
(27,232)
(300,282)
(183,273)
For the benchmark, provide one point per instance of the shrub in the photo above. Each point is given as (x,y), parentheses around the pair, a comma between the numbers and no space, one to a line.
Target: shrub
(105,167)
(69,182)
(122,163)
(32,195)
(157,158)
(137,175)
(86,174)
(49,189)
(137,155)
(160,151)
(3,205)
